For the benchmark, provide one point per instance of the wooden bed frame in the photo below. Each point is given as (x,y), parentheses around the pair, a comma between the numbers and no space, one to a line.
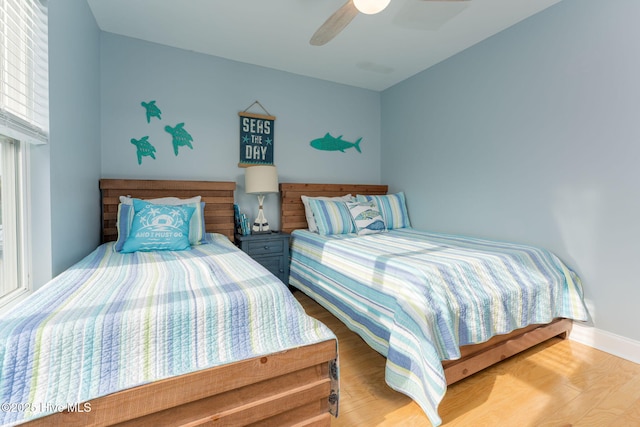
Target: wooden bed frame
(217,195)
(474,357)
(291,387)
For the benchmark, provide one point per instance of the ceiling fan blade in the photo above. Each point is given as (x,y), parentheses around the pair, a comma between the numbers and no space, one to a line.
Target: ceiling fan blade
(334,24)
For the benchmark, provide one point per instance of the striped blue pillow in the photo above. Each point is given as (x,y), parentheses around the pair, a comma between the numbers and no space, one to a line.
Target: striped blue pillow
(331,217)
(393,208)
(123,224)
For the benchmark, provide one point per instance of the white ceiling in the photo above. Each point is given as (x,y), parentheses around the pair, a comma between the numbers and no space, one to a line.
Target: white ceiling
(373,52)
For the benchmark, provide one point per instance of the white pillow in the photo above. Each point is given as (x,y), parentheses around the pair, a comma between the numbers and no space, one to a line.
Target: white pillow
(309,213)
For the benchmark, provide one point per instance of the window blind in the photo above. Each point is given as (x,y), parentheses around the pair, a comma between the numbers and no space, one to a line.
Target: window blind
(24,70)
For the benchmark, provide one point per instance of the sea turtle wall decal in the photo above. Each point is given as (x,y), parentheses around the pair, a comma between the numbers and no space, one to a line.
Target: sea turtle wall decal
(145,148)
(152,110)
(180,137)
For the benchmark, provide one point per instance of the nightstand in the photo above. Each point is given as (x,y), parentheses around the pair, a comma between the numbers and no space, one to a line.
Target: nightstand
(269,249)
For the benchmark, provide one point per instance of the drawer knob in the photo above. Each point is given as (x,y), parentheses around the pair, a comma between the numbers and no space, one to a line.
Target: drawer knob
(266,247)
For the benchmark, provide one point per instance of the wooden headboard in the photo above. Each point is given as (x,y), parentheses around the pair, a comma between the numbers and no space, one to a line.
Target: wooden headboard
(217,195)
(292,210)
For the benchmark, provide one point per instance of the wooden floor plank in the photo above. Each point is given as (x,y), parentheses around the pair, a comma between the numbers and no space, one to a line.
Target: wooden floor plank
(558,383)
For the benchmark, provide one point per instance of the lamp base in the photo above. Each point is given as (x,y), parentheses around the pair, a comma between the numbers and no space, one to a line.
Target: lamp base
(260,228)
(261,232)
(260,225)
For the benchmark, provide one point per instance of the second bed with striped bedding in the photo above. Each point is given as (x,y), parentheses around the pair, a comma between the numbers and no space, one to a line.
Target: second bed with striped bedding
(416,297)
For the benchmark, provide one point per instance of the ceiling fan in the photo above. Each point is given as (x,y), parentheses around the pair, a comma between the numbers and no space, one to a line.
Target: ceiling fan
(341,18)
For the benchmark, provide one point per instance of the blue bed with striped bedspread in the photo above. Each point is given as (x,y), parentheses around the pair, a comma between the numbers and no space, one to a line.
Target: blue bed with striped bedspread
(416,297)
(115,321)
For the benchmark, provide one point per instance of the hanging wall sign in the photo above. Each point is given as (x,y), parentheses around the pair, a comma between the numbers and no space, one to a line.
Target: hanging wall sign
(256,138)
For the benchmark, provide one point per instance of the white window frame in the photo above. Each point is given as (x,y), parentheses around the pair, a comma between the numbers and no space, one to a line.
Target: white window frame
(24,121)
(14,268)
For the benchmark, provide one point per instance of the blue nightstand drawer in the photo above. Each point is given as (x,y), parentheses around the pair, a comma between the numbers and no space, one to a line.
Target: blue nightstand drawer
(265,246)
(270,250)
(275,264)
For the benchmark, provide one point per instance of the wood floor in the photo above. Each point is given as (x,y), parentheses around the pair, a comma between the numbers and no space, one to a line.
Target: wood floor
(557,383)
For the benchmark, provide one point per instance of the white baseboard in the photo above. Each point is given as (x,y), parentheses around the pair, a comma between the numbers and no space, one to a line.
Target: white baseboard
(606,341)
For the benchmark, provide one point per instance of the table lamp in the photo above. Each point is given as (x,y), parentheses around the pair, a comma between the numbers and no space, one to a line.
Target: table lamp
(261,180)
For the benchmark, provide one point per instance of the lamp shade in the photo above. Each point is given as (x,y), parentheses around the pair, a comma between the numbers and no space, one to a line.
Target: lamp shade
(261,179)
(371,7)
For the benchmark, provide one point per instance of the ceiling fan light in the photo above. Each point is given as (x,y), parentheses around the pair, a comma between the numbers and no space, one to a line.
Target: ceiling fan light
(371,7)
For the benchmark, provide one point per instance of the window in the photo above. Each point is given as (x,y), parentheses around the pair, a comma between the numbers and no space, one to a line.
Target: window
(24,120)
(12,262)
(24,71)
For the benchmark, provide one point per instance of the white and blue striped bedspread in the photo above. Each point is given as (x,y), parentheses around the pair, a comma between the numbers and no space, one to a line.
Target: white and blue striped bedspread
(115,321)
(416,297)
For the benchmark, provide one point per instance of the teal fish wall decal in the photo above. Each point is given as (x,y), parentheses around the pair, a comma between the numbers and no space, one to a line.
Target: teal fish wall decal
(144,148)
(152,110)
(180,137)
(329,143)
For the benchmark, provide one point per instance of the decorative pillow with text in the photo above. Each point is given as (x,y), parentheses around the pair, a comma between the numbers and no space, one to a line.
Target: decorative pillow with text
(158,228)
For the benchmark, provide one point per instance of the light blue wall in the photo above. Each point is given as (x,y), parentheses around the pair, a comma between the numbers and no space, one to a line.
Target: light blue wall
(530,136)
(206,93)
(74,145)
(534,136)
